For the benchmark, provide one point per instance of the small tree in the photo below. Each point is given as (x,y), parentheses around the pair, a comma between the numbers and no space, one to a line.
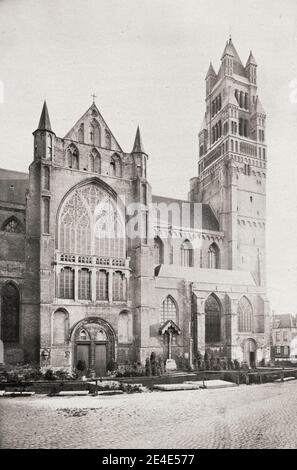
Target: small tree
(81,366)
(148,370)
(236,364)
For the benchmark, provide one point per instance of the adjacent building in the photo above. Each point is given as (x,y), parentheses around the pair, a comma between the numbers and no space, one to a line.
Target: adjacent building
(283,332)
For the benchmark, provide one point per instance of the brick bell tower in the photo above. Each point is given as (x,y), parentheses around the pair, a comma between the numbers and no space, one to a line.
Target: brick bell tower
(232,162)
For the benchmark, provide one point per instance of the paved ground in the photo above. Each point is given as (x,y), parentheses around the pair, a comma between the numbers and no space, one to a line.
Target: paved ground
(255,416)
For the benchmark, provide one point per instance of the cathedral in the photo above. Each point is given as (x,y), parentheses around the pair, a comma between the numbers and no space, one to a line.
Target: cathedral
(95,267)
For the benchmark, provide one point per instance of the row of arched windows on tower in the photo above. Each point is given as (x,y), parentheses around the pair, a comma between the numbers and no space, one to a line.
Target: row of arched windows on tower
(216,131)
(94,161)
(186,254)
(242,99)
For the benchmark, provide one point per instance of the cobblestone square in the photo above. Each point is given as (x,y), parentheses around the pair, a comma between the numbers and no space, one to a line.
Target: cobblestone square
(255,416)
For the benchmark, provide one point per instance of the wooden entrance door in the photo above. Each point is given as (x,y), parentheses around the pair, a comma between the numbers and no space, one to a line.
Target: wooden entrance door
(83,354)
(100,359)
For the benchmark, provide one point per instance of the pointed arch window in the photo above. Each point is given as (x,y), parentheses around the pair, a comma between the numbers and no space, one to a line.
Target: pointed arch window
(213,256)
(90,223)
(95,133)
(46,177)
(10,313)
(212,320)
(158,251)
(46,214)
(116,166)
(12,225)
(72,157)
(168,310)
(186,253)
(107,139)
(94,162)
(91,163)
(245,316)
(81,133)
(50,146)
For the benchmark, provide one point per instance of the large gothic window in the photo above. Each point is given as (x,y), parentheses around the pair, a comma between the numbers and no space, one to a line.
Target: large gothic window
(245,315)
(158,251)
(90,223)
(101,285)
(168,310)
(186,253)
(213,256)
(10,313)
(66,283)
(212,320)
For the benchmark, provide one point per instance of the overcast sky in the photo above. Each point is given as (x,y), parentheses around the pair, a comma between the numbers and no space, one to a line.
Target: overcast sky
(146,61)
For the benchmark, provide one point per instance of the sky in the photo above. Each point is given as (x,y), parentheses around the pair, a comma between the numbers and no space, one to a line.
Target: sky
(146,61)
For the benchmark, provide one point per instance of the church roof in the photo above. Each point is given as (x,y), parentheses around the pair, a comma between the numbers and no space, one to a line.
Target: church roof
(285,320)
(13,186)
(44,122)
(201,276)
(209,220)
(138,147)
(91,114)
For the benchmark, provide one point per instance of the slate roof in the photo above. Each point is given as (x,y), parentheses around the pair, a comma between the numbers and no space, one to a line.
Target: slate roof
(13,183)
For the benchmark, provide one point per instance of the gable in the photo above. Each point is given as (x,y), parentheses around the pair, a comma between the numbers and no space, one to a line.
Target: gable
(92,129)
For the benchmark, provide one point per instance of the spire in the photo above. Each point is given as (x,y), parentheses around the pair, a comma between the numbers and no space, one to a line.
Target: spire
(44,122)
(211,71)
(251,60)
(229,49)
(138,147)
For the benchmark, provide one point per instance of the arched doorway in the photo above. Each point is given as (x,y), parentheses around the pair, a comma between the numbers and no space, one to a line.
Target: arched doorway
(250,352)
(94,344)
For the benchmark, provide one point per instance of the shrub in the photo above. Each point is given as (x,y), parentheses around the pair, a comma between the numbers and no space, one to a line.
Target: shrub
(130,388)
(112,365)
(236,364)
(49,375)
(148,370)
(81,365)
(62,374)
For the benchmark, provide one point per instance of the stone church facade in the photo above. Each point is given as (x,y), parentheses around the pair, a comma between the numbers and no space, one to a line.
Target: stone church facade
(95,267)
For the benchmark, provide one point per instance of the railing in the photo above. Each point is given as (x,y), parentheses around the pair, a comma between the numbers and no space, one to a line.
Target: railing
(92,260)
